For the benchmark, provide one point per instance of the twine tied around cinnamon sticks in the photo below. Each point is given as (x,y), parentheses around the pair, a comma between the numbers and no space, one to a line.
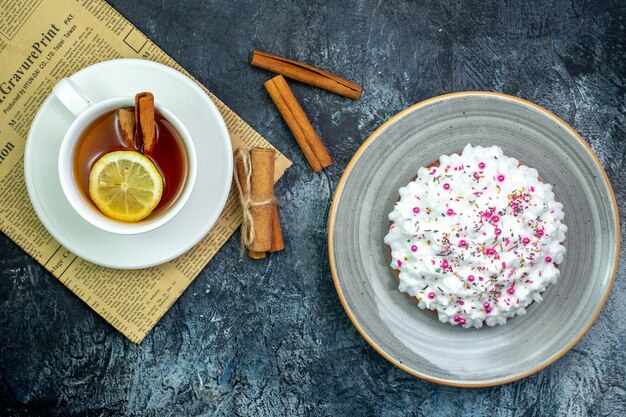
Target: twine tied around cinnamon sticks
(254,179)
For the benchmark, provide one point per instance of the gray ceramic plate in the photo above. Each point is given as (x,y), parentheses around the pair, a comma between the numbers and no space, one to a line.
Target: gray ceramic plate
(390,321)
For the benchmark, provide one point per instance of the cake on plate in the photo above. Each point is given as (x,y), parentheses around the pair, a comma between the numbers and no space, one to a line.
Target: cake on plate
(476,237)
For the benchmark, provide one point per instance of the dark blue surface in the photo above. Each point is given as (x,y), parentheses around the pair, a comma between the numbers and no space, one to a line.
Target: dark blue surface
(270,337)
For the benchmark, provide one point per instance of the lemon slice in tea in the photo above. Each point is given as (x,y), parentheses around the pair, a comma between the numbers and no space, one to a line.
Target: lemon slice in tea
(125,185)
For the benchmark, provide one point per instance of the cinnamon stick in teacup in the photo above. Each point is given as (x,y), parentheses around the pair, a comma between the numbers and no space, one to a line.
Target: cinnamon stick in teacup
(126,119)
(144,121)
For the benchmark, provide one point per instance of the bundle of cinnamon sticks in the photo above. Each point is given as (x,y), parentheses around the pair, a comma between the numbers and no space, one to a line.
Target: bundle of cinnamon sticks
(254,177)
(310,143)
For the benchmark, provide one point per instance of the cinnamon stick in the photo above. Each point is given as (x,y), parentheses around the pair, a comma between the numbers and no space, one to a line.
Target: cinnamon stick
(144,120)
(241,173)
(278,243)
(262,196)
(126,119)
(306,73)
(252,254)
(308,140)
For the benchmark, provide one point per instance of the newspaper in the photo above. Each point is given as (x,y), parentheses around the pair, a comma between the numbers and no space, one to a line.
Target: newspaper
(42,41)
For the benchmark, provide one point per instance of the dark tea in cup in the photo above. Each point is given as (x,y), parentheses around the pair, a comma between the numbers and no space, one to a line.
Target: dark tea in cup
(105,135)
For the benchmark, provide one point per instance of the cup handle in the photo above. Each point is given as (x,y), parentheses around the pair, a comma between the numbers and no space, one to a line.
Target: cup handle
(71,96)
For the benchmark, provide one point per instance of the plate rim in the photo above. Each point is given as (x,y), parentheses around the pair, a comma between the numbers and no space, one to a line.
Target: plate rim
(333,211)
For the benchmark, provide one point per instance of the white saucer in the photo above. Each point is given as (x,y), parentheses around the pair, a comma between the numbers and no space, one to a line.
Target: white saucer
(194,108)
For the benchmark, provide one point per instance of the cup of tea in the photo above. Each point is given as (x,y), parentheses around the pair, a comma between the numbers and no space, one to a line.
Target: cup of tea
(111,177)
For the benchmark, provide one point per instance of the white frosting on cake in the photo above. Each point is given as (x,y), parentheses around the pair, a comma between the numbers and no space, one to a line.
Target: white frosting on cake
(478,238)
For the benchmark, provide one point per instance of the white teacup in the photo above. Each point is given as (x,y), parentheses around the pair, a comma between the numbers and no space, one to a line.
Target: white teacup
(86,112)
